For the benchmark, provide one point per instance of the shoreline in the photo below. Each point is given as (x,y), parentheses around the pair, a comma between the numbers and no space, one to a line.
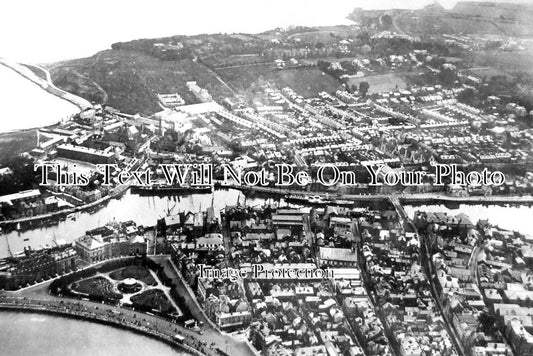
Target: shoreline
(36,309)
(46,85)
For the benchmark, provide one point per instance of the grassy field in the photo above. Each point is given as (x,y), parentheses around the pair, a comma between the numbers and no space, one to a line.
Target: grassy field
(132,79)
(307,82)
(37,71)
(325,36)
(14,143)
(522,12)
(380,82)
(471,25)
(505,61)
(489,72)
(471,18)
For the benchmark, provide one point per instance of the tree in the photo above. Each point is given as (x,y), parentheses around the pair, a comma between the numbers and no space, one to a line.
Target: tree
(23,176)
(486,322)
(447,76)
(467,96)
(363,88)
(386,21)
(236,146)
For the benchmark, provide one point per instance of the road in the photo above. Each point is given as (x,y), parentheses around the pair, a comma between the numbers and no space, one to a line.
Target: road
(207,68)
(211,332)
(146,324)
(51,83)
(216,338)
(46,84)
(258,64)
(395,23)
(428,267)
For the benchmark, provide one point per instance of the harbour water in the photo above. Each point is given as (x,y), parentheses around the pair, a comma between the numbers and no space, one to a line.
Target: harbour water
(144,210)
(40,334)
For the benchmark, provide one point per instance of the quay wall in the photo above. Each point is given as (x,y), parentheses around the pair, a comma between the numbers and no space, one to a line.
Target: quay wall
(117,192)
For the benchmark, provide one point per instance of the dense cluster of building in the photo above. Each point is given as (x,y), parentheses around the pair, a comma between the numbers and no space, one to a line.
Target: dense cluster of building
(326,280)
(504,277)
(36,265)
(454,242)
(394,262)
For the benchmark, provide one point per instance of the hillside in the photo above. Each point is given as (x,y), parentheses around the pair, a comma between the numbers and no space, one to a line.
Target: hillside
(131,74)
(493,18)
(494,10)
(129,80)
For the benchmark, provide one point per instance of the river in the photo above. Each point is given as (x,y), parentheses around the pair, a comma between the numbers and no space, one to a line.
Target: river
(144,210)
(41,334)
(26,105)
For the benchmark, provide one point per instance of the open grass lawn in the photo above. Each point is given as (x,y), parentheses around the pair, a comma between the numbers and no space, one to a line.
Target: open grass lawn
(471,25)
(37,71)
(14,143)
(489,72)
(314,37)
(380,82)
(97,287)
(139,273)
(431,24)
(504,61)
(307,82)
(154,299)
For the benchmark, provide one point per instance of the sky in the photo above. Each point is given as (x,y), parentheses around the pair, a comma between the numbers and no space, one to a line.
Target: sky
(39,31)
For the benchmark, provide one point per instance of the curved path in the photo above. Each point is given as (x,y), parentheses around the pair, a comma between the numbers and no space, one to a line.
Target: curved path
(106,314)
(45,84)
(207,342)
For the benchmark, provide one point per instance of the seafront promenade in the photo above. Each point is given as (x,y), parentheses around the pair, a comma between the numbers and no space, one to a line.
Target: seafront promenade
(122,318)
(209,342)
